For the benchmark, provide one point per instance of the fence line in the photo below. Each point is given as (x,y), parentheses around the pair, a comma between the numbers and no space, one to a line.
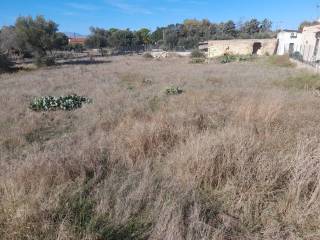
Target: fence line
(305,53)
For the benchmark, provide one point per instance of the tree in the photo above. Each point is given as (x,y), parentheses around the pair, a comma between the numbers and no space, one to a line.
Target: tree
(188,23)
(188,42)
(38,35)
(307,24)
(266,25)
(229,28)
(157,35)
(251,27)
(98,38)
(143,36)
(60,41)
(171,38)
(9,40)
(186,35)
(122,39)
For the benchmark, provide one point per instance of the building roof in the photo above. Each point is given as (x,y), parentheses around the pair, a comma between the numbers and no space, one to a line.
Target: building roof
(314,28)
(77,40)
(288,30)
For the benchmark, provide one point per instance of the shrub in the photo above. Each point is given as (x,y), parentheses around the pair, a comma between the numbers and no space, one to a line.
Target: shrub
(5,63)
(197,54)
(147,56)
(50,61)
(228,58)
(197,60)
(50,103)
(41,61)
(297,56)
(173,90)
(245,58)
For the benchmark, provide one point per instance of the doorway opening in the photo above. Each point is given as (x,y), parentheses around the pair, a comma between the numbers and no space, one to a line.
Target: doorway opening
(291,49)
(256,47)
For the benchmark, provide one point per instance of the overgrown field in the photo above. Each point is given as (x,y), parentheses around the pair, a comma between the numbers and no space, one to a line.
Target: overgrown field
(166,150)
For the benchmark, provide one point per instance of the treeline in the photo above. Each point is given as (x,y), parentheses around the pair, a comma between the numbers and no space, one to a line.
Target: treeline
(178,36)
(125,40)
(39,38)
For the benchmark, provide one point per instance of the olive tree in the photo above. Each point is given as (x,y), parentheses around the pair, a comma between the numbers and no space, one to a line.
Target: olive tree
(9,40)
(98,38)
(39,35)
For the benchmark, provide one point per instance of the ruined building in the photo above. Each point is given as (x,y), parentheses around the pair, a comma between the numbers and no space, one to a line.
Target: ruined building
(242,47)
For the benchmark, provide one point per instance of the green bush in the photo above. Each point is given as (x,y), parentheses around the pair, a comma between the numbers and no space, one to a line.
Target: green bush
(245,58)
(197,54)
(198,60)
(297,56)
(41,61)
(147,56)
(173,90)
(228,58)
(5,63)
(66,103)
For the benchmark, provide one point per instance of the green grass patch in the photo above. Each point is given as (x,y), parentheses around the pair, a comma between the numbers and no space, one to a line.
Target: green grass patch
(198,60)
(79,208)
(132,81)
(281,61)
(303,81)
(197,54)
(47,132)
(134,229)
(154,103)
(229,58)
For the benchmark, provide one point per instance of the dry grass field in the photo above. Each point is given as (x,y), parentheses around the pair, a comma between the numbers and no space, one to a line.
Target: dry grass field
(235,156)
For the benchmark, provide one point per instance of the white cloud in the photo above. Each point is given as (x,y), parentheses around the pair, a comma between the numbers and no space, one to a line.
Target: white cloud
(81,6)
(129,8)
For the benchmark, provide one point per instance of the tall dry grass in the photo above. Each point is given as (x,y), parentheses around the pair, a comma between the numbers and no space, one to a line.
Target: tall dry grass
(233,157)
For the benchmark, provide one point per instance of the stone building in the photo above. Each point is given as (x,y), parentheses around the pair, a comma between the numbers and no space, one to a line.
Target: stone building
(305,43)
(242,47)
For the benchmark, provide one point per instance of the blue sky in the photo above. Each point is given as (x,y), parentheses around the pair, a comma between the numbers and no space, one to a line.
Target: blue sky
(79,15)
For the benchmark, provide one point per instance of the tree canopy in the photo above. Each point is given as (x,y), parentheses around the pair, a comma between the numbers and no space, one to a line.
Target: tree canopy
(36,35)
(183,35)
(307,24)
(40,36)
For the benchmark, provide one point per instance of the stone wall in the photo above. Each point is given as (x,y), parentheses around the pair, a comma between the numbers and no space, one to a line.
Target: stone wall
(241,46)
